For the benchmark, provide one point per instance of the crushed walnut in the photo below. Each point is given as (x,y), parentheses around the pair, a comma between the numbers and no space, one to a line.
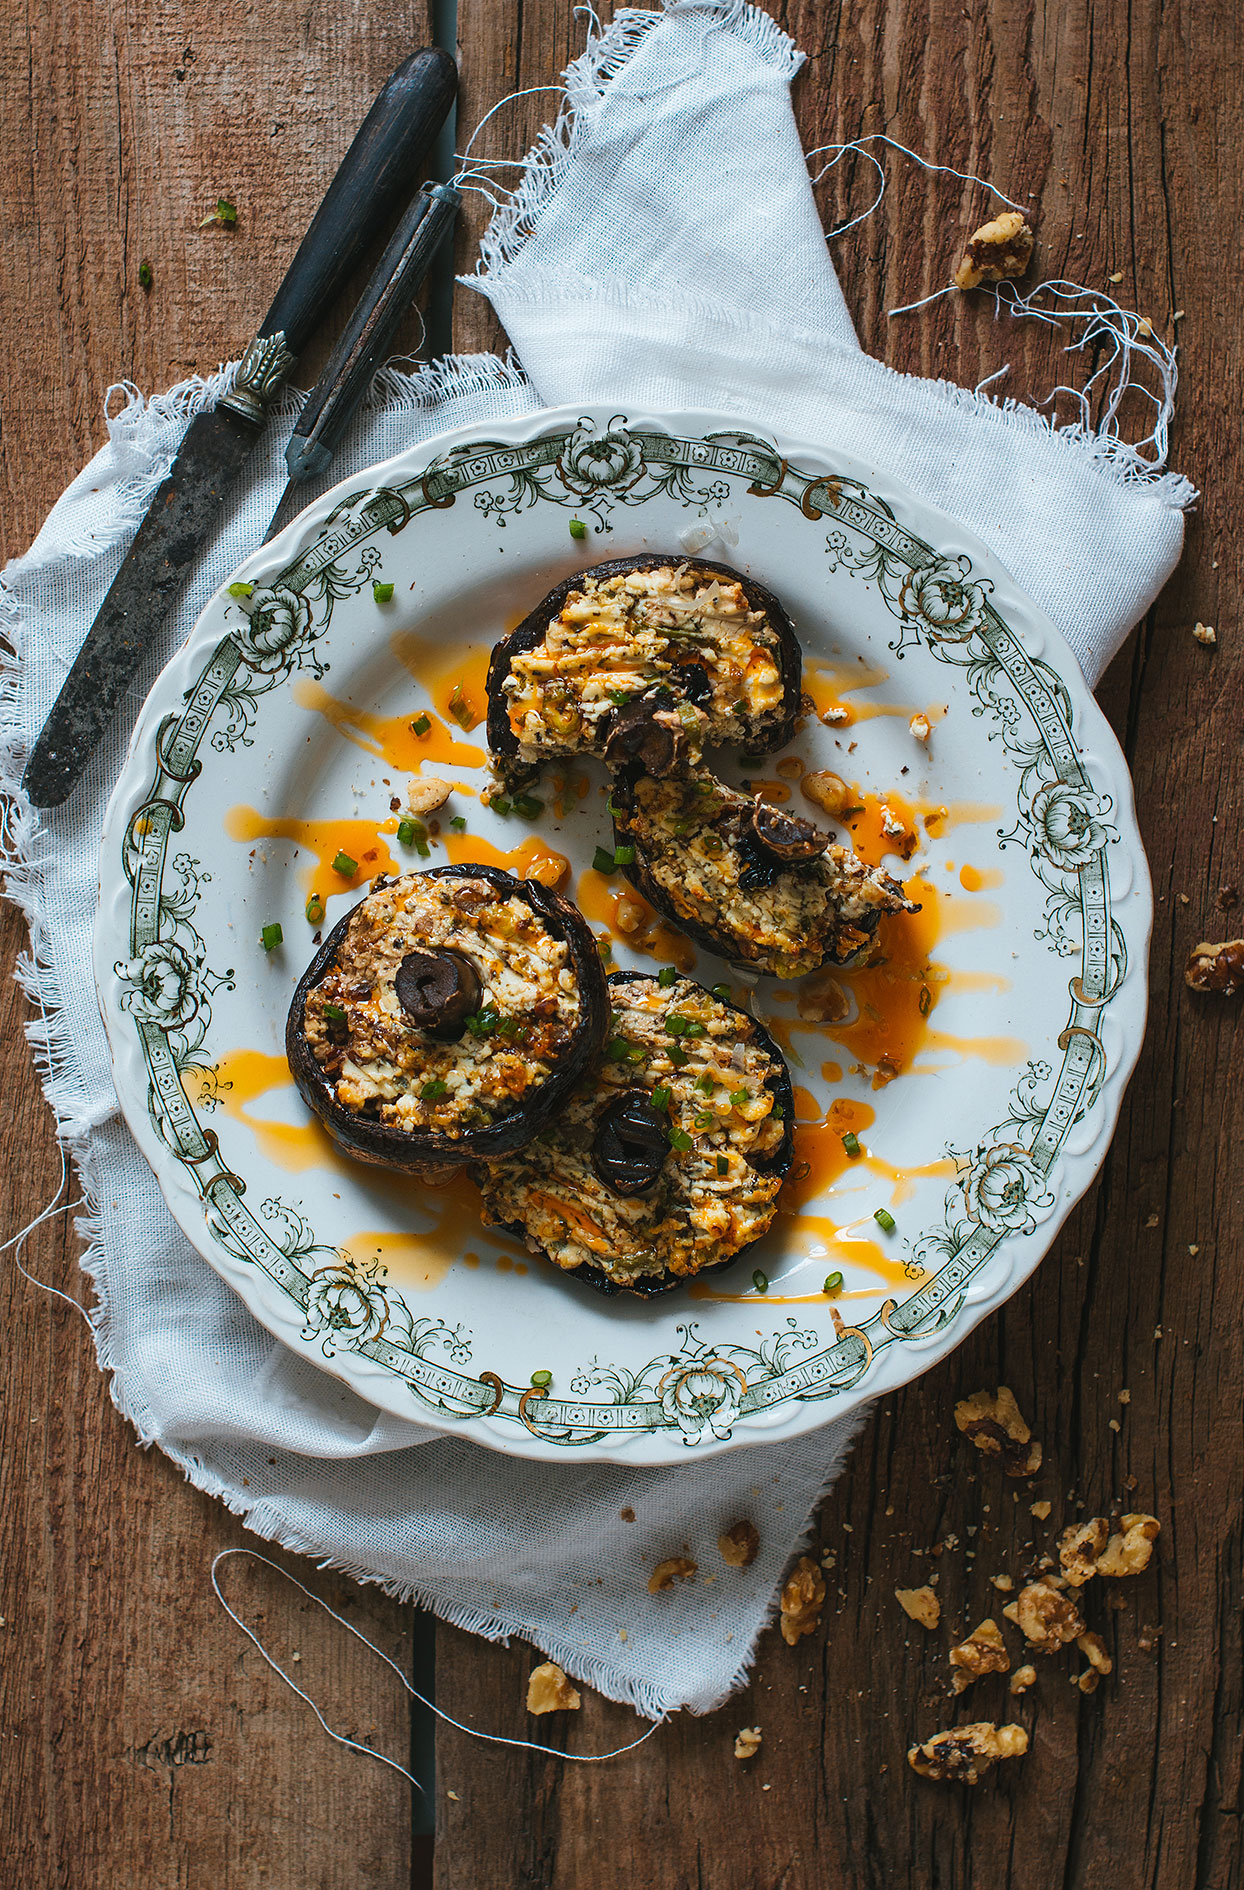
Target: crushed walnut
(965,1753)
(747,1742)
(549,1691)
(740,1544)
(1045,1618)
(1001,247)
(921,1604)
(426,793)
(1216,970)
(1205,633)
(984,1651)
(1128,1551)
(1079,1547)
(802,1599)
(675,1568)
(996,1427)
(1023,1678)
(1040,1510)
(1093,1648)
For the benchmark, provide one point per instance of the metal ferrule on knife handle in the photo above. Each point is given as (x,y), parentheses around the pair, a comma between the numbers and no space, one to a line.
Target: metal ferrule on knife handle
(262,373)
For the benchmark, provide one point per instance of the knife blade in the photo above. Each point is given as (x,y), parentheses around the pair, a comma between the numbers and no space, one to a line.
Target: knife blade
(364,343)
(391,143)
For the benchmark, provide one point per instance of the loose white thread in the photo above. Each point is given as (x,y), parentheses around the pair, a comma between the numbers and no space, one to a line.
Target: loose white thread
(881,137)
(18,1241)
(473,1732)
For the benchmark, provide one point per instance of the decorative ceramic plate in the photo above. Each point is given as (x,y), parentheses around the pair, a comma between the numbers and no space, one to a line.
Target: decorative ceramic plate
(980,1059)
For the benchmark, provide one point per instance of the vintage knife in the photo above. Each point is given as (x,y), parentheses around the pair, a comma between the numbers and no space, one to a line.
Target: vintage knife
(376,171)
(364,343)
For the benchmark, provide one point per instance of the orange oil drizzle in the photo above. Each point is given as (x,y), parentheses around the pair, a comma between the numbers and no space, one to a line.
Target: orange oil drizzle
(828,682)
(599,898)
(975,879)
(531,859)
(359,840)
(390,738)
(441,670)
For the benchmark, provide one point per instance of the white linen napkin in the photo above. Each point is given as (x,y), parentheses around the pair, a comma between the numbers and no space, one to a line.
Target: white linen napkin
(663,249)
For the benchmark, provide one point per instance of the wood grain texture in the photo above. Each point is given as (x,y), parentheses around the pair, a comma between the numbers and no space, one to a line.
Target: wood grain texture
(118,1668)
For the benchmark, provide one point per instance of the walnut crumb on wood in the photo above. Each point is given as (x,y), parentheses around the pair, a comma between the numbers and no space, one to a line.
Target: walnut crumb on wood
(1216,970)
(802,1599)
(1128,1551)
(1023,1678)
(549,1691)
(740,1544)
(675,1568)
(1046,1619)
(1001,247)
(1079,1548)
(1205,633)
(921,1604)
(747,1742)
(995,1425)
(965,1753)
(984,1651)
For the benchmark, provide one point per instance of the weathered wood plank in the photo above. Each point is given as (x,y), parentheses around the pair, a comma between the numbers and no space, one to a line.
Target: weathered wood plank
(1112,119)
(145,1742)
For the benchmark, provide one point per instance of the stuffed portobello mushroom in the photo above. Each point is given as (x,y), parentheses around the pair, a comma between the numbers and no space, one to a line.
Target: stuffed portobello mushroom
(447,1017)
(668,1157)
(761,887)
(645,659)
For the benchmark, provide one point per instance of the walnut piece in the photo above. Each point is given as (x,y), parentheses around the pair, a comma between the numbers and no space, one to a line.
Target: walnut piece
(1205,633)
(549,1691)
(740,1544)
(920,727)
(996,1427)
(1001,247)
(1023,1678)
(1129,1550)
(426,793)
(1079,1548)
(921,1604)
(747,1742)
(984,1651)
(828,792)
(675,1568)
(965,1753)
(1216,970)
(1046,1619)
(1093,1648)
(802,1599)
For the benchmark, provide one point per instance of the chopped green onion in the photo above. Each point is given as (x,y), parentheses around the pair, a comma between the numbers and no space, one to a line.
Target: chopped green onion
(498,804)
(925,1000)
(778,1113)
(849,813)
(602,860)
(225,212)
(509,1026)
(705,1085)
(760,1281)
(577,528)
(315,909)
(421,725)
(271,937)
(334,1014)
(619,697)
(483,1023)
(344,865)
(676,1024)
(678,1138)
(884,1219)
(704,1120)
(433,1091)
(676,1056)
(458,823)
(666,977)
(636,1054)
(722,991)
(406,831)
(542,1379)
(833,1283)
(740,1096)
(382,593)
(723,1164)
(611,809)
(146,275)
(624,856)
(528,806)
(694,1027)
(851,1142)
(660,1097)
(618,1050)
(241,589)
(461,709)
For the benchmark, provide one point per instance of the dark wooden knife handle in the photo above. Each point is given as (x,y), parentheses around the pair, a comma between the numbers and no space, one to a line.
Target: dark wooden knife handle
(373,176)
(364,342)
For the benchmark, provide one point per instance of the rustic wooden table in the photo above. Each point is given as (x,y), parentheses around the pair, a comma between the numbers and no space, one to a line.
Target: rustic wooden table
(145,1744)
